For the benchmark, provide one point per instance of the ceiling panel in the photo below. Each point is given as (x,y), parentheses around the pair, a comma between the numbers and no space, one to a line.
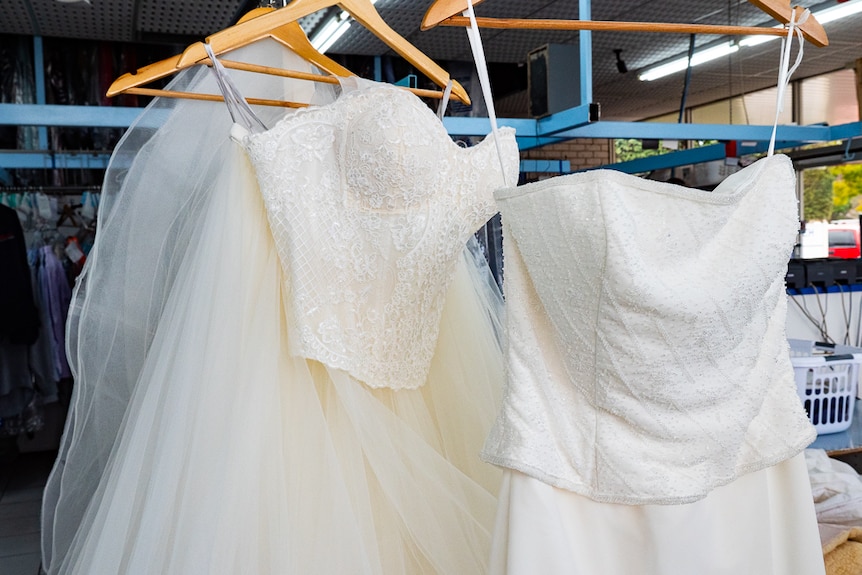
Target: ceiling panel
(358,40)
(16,17)
(516,8)
(103,19)
(186,18)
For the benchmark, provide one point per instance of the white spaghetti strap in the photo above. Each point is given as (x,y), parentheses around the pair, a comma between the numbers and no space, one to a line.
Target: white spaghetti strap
(240,112)
(444,101)
(784,69)
(482,69)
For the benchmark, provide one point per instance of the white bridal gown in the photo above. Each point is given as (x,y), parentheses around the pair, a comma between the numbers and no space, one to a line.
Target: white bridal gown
(650,423)
(325,366)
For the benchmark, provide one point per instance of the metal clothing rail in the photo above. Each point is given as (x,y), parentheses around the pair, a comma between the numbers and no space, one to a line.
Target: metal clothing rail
(49,190)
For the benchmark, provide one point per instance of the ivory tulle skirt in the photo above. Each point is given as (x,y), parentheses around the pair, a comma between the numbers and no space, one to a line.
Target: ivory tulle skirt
(761,524)
(235,457)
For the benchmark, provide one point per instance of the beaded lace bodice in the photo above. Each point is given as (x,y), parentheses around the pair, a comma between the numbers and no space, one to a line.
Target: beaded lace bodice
(647,354)
(370,204)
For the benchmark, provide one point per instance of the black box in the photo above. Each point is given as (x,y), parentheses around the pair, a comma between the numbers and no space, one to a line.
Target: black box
(795,278)
(553,79)
(819,273)
(844,271)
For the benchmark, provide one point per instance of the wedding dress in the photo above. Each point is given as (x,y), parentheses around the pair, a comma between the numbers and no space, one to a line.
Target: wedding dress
(315,366)
(651,423)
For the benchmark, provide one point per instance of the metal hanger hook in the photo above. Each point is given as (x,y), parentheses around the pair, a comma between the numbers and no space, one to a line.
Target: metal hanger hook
(848,157)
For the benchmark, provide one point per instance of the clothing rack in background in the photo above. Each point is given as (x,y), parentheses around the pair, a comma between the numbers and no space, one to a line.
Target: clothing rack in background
(50,191)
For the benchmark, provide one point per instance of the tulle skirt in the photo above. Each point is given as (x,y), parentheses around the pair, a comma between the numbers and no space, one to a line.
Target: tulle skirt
(235,457)
(761,524)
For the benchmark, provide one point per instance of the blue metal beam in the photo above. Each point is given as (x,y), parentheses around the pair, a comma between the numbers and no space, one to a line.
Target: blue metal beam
(378,69)
(585,41)
(693,156)
(671,160)
(462,126)
(408,81)
(42,160)
(534,133)
(546,166)
(844,131)
(563,121)
(54,115)
(723,132)
(39,73)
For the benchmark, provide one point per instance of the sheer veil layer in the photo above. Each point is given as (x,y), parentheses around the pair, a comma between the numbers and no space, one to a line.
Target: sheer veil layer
(195,442)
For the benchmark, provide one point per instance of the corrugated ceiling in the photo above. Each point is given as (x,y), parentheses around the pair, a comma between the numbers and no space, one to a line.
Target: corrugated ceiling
(621,96)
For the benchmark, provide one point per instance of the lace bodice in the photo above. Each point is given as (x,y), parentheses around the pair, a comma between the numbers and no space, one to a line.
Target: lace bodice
(647,354)
(371,203)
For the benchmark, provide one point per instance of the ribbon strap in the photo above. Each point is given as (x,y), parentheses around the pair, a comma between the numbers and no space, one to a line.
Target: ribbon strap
(444,101)
(784,69)
(482,69)
(236,104)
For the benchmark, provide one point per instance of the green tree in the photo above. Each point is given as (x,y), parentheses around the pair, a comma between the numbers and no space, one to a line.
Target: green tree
(631,149)
(817,185)
(628,149)
(846,190)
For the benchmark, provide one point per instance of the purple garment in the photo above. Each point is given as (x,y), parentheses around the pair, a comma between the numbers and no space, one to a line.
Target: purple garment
(42,368)
(57,295)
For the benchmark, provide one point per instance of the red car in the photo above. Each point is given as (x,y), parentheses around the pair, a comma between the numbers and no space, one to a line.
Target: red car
(844,241)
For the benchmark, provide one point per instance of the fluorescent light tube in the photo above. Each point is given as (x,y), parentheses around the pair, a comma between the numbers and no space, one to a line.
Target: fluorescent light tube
(331,32)
(339,32)
(758,40)
(830,14)
(699,57)
(840,11)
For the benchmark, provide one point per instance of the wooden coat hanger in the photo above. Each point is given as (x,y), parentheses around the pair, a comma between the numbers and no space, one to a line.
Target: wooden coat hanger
(363,11)
(446,13)
(69,214)
(289,35)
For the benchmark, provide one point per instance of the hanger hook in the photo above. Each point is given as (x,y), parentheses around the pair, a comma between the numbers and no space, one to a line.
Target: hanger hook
(847,155)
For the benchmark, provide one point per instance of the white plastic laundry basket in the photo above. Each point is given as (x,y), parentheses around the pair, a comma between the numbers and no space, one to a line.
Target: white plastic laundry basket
(826,379)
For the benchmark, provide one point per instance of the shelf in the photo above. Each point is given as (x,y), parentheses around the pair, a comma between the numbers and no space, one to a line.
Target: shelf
(843,442)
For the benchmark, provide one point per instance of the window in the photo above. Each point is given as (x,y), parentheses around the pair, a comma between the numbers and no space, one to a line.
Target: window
(829,99)
(841,238)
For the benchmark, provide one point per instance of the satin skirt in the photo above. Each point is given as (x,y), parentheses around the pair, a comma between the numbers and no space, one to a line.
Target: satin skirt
(761,524)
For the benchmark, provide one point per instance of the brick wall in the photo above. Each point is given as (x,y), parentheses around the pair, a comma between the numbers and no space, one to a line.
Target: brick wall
(582,153)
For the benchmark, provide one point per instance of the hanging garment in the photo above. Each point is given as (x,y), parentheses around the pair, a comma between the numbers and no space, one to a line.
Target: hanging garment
(56,294)
(19,322)
(16,385)
(651,419)
(163,177)
(43,352)
(370,203)
(244,448)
